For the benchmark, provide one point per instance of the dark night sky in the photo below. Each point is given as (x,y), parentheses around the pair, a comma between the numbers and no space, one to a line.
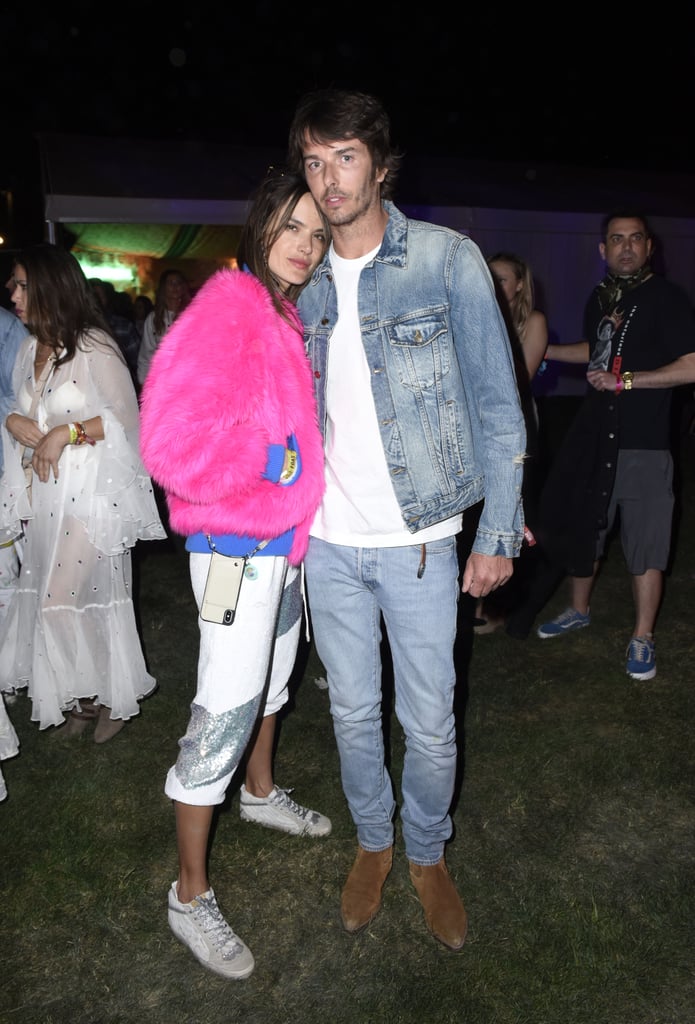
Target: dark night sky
(498,86)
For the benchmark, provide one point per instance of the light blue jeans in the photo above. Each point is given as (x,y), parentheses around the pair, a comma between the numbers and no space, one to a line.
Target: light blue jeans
(349,589)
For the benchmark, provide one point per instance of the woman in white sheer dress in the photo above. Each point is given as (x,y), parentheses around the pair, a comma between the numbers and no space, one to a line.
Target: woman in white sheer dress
(75,488)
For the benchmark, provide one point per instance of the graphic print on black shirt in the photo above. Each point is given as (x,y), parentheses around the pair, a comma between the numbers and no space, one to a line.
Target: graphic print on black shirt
(651,326)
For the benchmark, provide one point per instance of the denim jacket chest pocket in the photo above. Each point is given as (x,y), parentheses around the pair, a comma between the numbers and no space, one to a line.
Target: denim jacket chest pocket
(420,351)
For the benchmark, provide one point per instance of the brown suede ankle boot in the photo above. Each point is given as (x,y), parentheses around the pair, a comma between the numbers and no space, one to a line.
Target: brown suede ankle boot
(444,912)
(361,896)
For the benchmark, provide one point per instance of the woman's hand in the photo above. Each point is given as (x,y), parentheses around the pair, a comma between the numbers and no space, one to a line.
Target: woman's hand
(24,430)
(48,451)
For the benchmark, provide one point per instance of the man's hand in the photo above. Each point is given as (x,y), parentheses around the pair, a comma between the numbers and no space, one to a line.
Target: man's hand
(485,573)
(602,380)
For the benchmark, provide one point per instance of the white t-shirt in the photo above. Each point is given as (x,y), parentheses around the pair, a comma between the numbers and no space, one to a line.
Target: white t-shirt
(359,508)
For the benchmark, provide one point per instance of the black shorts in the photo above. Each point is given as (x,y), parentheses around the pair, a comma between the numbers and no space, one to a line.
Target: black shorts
(643,493)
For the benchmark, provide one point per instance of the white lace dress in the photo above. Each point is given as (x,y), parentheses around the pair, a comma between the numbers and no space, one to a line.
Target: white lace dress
(70,631)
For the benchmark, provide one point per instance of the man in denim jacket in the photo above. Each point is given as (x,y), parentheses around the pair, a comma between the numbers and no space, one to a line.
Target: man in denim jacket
(419,407)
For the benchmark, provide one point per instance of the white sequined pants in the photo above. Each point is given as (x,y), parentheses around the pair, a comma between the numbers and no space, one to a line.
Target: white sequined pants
(242,669)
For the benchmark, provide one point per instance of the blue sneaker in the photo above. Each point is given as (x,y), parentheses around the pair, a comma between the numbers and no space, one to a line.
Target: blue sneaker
(565,623)
(641,662)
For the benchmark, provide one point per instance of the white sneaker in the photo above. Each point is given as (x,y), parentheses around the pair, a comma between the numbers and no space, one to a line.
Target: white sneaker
(278,810)
(201,926)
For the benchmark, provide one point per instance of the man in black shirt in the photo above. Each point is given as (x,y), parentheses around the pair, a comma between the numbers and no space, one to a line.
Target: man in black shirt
(616,458)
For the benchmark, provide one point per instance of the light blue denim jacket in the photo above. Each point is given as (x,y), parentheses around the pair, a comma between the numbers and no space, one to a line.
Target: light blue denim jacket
(12,333)
(442,377)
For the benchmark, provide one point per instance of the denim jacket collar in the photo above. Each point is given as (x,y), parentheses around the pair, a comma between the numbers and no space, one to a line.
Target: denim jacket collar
(394,245)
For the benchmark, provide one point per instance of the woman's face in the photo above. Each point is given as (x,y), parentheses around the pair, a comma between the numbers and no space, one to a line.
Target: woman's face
(296,253)
(19,292)
(505,275)
(175,291)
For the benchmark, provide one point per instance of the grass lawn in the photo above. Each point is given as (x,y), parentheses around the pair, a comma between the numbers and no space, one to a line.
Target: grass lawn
(574,843)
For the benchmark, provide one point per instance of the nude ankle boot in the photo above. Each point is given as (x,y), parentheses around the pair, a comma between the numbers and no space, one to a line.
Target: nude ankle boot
(107,727)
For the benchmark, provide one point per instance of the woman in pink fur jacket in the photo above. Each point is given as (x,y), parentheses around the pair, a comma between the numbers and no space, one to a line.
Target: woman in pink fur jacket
(229,430)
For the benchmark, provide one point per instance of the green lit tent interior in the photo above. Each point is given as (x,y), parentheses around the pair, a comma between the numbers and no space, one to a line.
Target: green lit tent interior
(130,208)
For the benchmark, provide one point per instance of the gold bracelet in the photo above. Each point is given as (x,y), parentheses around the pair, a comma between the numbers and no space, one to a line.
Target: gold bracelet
(73,433)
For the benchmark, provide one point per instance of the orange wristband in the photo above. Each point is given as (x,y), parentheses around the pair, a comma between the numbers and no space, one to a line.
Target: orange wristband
(82,435)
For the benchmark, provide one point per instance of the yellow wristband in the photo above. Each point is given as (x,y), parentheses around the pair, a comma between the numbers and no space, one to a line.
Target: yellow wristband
(73,433)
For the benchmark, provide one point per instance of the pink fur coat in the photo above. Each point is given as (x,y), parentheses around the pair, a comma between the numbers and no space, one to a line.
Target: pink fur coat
(228,379)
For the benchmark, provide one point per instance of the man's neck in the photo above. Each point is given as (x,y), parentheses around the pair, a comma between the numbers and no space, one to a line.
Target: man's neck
(351,241)
(613,288)
(642,274)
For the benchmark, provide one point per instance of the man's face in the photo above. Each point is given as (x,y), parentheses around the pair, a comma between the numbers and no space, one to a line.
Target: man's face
(342,179)
(627,247)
